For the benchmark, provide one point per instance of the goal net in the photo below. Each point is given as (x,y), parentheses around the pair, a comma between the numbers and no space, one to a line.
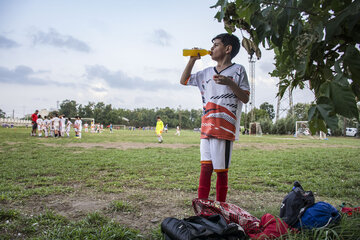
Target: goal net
(255,129)
(302,129)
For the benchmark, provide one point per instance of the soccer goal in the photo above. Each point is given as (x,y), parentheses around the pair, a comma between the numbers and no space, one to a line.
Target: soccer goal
(302,129)
(255,129)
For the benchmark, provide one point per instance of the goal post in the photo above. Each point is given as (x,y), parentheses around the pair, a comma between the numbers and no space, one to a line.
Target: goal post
(255,129)
(302,129)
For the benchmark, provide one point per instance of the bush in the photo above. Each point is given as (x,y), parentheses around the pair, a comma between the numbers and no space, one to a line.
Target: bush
(266,125)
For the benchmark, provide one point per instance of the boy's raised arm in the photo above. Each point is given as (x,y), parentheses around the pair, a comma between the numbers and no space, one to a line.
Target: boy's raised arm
(187,71)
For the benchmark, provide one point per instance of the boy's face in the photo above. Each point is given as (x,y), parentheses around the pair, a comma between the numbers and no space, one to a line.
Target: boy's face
(219,50)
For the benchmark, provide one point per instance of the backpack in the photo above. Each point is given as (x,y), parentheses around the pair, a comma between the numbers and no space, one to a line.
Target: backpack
(321,214)
(295,204)
(193,228)
(270,227)
(230,212)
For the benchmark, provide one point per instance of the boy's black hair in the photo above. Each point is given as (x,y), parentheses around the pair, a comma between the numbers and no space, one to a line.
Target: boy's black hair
(229,39)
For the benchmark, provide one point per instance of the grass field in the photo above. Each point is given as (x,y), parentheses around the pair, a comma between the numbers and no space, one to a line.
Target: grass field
(122,185)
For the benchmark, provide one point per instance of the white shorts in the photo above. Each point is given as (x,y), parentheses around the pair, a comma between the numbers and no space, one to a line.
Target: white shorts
(56,127)
(216,151)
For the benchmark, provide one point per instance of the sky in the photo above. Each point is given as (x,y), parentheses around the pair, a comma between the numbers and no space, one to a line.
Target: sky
(124,53)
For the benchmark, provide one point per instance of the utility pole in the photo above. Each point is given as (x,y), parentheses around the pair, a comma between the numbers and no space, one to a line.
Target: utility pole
(282,106)
(180,116)
(252,87)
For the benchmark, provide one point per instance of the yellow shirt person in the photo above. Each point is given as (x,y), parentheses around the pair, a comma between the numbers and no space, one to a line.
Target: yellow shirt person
(159,129)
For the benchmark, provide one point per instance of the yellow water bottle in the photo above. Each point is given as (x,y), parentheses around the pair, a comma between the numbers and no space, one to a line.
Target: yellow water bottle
(195,52)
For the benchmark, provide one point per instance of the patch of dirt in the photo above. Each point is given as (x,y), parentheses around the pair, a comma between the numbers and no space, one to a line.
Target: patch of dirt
(124,145)
(277,146)
(237,145)
(151,206)
(13,143)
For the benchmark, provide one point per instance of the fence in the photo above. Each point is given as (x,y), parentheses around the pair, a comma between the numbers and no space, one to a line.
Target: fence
(8,122)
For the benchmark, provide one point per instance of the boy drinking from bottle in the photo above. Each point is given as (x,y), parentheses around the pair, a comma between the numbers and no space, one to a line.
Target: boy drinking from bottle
(224,88)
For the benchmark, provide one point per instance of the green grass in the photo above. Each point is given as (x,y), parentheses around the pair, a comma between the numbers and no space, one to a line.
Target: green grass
(38,167)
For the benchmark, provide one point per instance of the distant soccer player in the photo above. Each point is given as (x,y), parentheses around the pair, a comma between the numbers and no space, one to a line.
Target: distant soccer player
(56,125)
(86,127)
(78,129)
(39,123)
(34,117)
(159,129)
(177,131)
(62,125)
(46,126)
(68,126)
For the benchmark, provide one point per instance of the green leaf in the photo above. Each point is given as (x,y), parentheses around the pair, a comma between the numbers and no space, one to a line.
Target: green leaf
(305,4)
(324,90)
(296,29)
(317,125)
(344,100)
(356,89)
(335,25)
(282,22)
(222,4)
(352,61)
(311,112)
(327,113)
(328,75)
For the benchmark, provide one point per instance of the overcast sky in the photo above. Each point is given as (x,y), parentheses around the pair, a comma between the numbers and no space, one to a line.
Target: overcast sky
(124,53)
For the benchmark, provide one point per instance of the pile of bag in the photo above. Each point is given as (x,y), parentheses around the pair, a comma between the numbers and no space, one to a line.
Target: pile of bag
(222,220)
(299,210)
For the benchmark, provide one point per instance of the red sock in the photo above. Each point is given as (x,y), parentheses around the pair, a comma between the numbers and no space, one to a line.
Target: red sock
(205,180)
(221,186)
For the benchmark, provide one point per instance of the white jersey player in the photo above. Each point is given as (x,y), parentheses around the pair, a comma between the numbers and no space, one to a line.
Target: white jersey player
(78,127)
(46,126)
(62,125)
(56,124)
(39,123)
(68,126)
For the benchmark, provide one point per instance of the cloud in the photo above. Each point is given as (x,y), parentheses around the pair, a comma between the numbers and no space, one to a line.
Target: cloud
(7,43)
(266,67)
(120,80)
(99,89)
(53,38)
(24,75)
(161,37)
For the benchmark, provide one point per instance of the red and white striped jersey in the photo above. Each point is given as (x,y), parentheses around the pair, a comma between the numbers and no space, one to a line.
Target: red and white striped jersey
(221,107)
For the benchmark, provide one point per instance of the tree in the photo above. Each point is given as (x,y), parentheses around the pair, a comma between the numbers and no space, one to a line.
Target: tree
(314,42)
(269,108)
(89,110)
(68,108)
(99,112)
(2,113)
(300,111)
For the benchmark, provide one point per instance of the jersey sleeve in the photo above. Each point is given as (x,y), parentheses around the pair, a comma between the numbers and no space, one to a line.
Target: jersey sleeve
(195,79)
(243,80)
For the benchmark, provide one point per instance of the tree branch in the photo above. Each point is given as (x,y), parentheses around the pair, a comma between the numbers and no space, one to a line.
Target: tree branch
(282,6)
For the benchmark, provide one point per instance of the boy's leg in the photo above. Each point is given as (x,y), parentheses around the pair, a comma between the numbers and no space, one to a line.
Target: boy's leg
(206,169)
(221,186)
(205,180)
(159,137)
(221,151)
